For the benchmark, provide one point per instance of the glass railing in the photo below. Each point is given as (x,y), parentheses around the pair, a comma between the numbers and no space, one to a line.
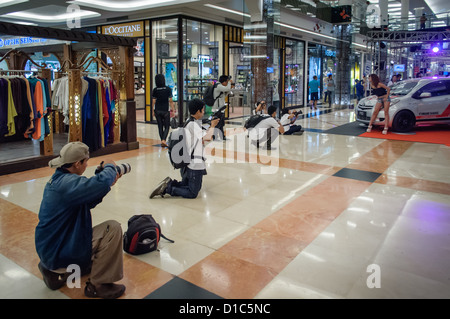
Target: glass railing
(322,10)
(440,20)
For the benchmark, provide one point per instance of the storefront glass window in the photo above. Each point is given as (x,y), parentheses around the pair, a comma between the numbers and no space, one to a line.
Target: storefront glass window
(4,65)
(293,84)
(139,74)
(165,53)
(240,69)
(275,79)
(202,56)
(322,63)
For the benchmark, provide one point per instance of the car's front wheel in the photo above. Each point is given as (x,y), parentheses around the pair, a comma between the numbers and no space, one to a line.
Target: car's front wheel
(404,121)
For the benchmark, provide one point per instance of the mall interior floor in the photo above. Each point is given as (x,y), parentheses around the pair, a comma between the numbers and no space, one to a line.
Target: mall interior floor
(320,216)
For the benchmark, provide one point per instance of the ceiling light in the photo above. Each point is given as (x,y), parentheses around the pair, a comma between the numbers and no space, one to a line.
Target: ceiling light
(227,10)
(132,5)
(51,18)
(5,3)
(25,23)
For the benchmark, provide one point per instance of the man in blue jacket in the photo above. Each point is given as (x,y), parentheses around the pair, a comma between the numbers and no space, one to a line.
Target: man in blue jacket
(64,235)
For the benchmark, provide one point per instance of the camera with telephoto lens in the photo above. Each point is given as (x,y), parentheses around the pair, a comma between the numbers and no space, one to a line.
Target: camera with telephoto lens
(124,168)
(216,115)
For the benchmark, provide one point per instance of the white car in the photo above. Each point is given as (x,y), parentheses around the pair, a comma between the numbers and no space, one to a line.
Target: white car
(413,102)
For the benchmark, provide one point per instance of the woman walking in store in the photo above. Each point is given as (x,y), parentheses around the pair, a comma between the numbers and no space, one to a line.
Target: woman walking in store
(161,97)
(382,92)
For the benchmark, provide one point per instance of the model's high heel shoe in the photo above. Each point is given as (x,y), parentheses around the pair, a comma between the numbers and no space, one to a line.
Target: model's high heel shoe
(385,131)
(369,129)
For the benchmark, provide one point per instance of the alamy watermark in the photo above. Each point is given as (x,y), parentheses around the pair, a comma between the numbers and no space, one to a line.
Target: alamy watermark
(74,279)
(73,20)
(374,279)
(238,148)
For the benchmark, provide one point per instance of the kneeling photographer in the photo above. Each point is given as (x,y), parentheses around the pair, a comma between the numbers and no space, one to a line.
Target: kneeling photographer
(64,234)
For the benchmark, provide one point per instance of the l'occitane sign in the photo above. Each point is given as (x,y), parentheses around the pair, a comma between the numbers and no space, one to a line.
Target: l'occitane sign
(133,29)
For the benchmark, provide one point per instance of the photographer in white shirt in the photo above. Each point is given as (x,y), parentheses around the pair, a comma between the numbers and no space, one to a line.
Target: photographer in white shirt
(220,93)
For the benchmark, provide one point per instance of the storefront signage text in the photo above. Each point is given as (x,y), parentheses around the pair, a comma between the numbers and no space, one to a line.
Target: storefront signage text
(20,41)
(330,53)
(125,30)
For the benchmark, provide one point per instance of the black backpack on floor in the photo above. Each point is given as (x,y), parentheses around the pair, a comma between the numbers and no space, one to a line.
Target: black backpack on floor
(254,120)
(143,235)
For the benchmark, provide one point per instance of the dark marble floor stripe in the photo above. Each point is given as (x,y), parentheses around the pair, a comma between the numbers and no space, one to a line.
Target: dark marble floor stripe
(179,288)
(357,174)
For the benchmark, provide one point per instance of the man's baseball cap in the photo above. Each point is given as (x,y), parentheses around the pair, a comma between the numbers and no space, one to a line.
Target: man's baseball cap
(70,153)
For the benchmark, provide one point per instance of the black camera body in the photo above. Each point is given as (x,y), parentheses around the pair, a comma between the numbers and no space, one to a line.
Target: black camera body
(216,115)
(124,168)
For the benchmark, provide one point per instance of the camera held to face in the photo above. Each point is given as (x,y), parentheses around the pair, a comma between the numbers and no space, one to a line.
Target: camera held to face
(124,168)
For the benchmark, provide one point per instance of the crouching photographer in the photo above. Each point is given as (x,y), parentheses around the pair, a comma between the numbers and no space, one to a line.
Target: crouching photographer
(64,235)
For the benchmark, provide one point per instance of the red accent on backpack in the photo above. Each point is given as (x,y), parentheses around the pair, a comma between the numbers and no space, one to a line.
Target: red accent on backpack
(133,243)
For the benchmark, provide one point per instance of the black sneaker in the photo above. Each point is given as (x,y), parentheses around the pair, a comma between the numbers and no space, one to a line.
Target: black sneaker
(161,188)
(105,291)
(53,280)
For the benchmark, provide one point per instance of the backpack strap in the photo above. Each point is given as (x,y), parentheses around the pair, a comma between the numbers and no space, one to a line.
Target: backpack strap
(170,240)
(193,150)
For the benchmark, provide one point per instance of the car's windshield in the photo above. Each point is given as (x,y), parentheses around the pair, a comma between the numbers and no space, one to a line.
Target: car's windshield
(403,88)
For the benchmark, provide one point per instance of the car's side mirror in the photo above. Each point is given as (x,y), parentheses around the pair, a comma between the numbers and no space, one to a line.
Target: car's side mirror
(425,95)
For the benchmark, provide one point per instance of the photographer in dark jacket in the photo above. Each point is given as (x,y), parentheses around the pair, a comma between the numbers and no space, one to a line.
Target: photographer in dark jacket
(64,235)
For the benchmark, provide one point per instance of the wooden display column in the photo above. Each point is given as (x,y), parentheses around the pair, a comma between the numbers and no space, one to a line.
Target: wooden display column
(127,105)
(75,127)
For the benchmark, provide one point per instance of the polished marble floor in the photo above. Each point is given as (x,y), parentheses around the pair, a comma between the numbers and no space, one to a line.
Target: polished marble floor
(320,216)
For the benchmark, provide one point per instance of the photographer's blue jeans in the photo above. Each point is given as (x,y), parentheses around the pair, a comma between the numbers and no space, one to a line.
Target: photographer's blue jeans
(190,185)
(293,129)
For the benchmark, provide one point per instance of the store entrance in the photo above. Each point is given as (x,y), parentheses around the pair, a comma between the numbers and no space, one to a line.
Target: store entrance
(239,100)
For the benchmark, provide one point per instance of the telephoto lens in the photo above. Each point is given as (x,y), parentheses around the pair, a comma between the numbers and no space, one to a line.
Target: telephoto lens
(124,168)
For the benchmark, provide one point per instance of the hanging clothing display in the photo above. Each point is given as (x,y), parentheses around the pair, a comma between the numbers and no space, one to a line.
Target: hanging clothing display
(24,107)
(98,95)
(97,112)
(60,97)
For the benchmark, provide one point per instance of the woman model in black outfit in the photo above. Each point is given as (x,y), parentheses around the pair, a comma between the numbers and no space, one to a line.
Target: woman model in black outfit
(382,92)
(161,97)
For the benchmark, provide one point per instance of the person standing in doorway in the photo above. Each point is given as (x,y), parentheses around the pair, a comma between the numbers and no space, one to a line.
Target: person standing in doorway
(359,90)
(423,19)
(366,83)
(314,91)
(161,98)
(325,89)
(330,87)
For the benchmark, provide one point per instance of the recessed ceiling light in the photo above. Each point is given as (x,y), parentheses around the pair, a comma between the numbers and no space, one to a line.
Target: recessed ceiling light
(51,18)
(5,3)
(131,5)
